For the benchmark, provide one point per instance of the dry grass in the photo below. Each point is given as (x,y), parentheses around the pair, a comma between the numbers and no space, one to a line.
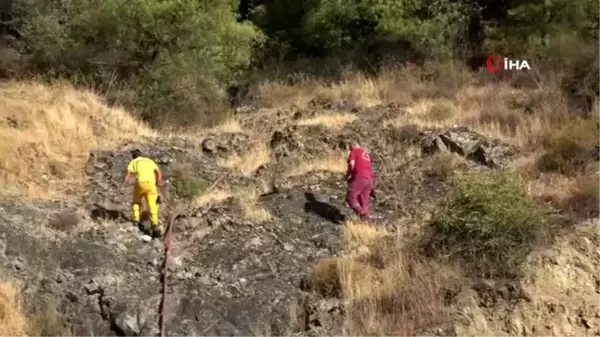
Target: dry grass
(551,187)
(47,133)
(388,289)
(518,116)
(395,85)
(569,149)
(360,90)
(326,278)
(328,163)
(334,121)
(443,165)
(249,162)
(496,111)
(48,322)
(229,126)
(362,234)
(213,197)
(406,298)
(12,320)
(577,196)
(449,96)
(251,209)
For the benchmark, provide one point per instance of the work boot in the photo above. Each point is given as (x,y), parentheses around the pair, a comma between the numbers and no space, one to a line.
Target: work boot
(157,231)
(143,226)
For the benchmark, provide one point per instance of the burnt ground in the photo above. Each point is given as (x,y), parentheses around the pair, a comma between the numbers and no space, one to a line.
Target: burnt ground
(228,275)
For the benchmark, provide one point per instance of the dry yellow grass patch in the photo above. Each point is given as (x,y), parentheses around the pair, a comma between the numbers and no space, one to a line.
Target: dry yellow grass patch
(388,289)
(399,300)
(335,121)
(47,133)
(328,162)
(427,113)
(390,292)
(250,161)
(213,197)
(326,278)
(399,85)
(229,126)
(493,110)
(555,186)
(361,90)
(360,233)
(248,201)
(251,209)
(574,195)
(12,320)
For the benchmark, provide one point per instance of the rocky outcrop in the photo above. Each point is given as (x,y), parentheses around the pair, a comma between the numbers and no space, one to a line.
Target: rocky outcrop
(558,297)
(469,144)
(228,273)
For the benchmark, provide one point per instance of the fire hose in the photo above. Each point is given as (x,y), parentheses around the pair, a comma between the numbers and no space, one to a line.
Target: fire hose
(167,246)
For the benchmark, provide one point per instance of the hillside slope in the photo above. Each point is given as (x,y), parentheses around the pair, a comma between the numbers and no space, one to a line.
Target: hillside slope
(273,249)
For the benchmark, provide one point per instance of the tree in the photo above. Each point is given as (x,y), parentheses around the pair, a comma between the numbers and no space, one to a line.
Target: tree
(164,49)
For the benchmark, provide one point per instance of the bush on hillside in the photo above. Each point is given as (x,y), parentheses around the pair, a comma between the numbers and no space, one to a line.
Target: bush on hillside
(326,27)
(187,184)
(175,55)
(488,223)
(570,149)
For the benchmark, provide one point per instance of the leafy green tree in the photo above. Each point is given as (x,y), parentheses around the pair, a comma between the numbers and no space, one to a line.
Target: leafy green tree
(437,27)
(162,48)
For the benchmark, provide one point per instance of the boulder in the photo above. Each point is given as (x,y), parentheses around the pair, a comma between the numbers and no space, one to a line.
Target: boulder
(469,144)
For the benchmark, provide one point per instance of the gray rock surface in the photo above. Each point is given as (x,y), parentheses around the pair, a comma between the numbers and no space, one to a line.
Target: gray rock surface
(469,144)
(227,274)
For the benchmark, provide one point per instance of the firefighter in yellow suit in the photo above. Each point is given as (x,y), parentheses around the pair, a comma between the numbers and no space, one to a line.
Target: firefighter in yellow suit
(148,178)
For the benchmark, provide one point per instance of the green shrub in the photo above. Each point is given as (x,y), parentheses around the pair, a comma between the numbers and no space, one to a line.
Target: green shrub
(488,223)
(187,184)
(175,55)
(436,28)
(190,187)
(571,148)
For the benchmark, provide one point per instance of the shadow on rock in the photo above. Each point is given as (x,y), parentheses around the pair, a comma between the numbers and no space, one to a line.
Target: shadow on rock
(323,209)
(100,212)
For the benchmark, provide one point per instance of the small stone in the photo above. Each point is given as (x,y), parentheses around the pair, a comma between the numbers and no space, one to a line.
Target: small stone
(288,246)
(176,262)
(205,280)
(19,265)
(146,238)
(255,242)
(209,145)
(157,244)
(91,287)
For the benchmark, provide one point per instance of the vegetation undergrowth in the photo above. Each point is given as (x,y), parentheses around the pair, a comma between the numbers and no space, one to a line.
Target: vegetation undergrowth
(191,63)
(489,223)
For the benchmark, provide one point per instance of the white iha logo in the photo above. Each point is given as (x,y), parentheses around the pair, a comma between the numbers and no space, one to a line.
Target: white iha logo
(496,63)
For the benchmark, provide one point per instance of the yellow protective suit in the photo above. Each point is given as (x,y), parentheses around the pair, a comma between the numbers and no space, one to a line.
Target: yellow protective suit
(145,187)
